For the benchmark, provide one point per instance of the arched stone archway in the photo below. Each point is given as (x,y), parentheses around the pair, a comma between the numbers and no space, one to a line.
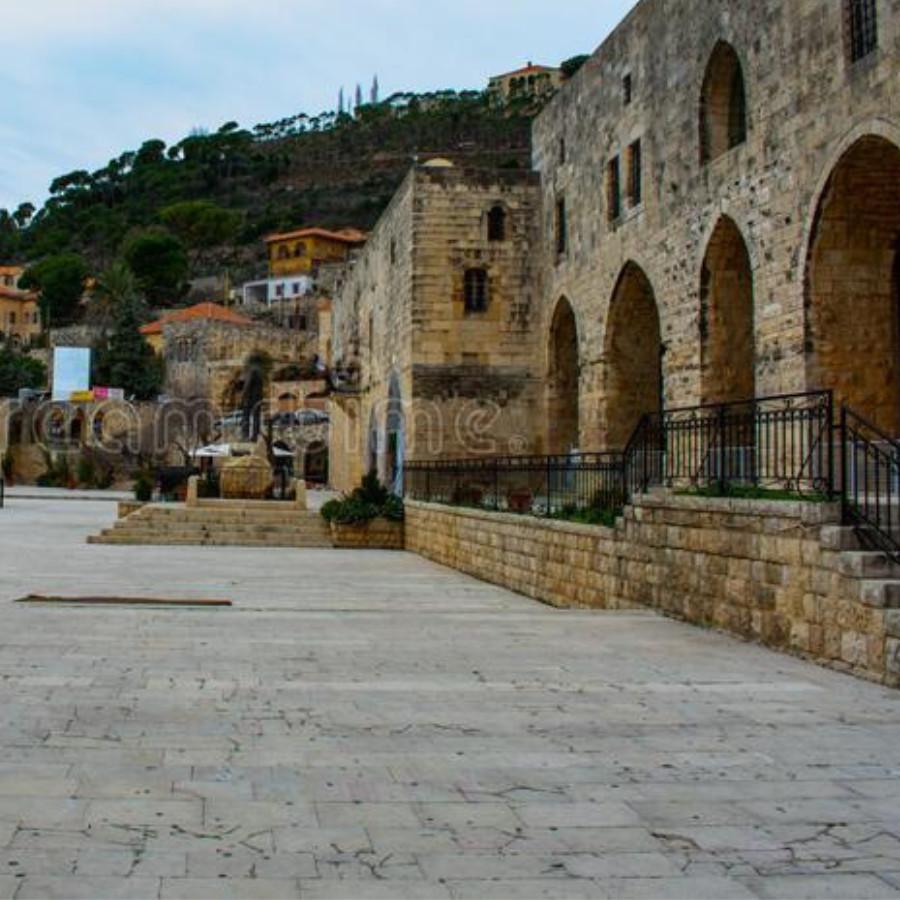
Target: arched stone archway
(563,380)
(853,283)
(632,355)
(723,104)
(727,318)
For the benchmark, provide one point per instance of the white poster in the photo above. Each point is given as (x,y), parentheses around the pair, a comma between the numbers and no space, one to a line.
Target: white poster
(71,371)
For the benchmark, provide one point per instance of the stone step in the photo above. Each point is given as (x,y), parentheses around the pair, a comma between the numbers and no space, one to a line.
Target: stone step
(840,537)
(154,540)
(880,593)
(869,565)
(207,515)
(291,527)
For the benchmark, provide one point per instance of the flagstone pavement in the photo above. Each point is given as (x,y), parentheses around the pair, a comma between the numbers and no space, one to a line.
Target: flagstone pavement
(365,724)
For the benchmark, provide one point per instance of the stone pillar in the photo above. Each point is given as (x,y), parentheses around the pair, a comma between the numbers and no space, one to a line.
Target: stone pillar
(193,498)
(300,494)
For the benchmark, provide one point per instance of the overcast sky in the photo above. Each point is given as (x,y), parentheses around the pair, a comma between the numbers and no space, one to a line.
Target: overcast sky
(84,80)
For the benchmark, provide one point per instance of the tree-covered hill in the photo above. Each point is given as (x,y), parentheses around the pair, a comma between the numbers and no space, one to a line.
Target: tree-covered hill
(218,193)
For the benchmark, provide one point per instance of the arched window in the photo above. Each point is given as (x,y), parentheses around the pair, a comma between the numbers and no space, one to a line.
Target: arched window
(300,250)
(497,224)
(476,290)
(723,105)
(283,252)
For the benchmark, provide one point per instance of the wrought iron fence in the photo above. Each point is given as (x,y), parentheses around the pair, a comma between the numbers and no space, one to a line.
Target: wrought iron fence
(870,483)
(533,485)
(783,443)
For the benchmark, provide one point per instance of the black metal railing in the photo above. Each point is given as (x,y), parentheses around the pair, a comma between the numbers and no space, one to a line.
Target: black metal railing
(781,443)
(533,485)
(2,492)
(870,483)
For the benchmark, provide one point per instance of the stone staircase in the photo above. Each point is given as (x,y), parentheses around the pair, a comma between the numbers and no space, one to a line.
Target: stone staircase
(220,523)
(877,574)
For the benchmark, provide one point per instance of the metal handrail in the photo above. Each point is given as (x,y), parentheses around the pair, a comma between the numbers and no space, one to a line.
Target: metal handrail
(870,483)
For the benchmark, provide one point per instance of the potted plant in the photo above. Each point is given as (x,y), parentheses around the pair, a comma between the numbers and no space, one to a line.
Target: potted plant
(368,518)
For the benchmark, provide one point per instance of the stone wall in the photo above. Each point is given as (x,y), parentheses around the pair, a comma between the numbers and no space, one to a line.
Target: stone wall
(434,378)
(767,571)
(810,189)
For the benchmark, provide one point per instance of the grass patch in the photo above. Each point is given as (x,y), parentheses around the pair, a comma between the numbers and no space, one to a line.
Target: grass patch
(753,492)
(592,516)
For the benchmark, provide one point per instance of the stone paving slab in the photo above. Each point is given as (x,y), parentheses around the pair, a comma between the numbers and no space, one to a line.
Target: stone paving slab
(372,725)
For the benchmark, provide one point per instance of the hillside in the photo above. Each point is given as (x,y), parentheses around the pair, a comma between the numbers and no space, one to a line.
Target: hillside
(331,170)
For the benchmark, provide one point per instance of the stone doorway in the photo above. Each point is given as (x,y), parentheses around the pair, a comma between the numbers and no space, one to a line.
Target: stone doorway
(853,283)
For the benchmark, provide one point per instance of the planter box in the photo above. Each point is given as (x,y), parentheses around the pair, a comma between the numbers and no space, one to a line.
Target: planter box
(379,534)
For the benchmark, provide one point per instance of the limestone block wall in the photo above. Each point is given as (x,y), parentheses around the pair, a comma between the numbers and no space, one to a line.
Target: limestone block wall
(766,571)
(807,105)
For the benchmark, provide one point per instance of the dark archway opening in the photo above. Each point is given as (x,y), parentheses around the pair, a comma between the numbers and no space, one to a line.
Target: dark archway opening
(727,318)
(633,356)
(852,306)
(563,416)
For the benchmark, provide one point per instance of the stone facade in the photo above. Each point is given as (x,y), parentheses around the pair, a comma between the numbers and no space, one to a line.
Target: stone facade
(433,327)
(205,358)
(726,179)
(773,572)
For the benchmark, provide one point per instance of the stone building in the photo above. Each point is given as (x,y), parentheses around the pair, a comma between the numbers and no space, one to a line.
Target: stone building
(529,82)
(432,331)
(721,214)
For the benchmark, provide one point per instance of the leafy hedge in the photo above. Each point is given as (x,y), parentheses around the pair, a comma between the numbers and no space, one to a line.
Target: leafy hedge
(371,500)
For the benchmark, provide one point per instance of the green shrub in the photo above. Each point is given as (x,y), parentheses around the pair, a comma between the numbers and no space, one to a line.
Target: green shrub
(371,500)
(143,488)
(87,473)
(104,479)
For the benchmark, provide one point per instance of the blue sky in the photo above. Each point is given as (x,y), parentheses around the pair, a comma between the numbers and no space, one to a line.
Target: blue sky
(85,80)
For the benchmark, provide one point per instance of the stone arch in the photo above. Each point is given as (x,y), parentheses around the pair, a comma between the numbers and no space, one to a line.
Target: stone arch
(723,104)
(563,381)
(632,356)
(852,283)
(727,334)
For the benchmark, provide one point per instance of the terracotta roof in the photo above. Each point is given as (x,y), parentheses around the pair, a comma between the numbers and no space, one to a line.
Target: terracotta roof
(12,294)
(345,235)
(530,69)
(12,270)
(202,311)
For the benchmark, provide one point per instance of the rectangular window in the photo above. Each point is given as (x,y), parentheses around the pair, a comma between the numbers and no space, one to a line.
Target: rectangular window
(562,228)
(562,151)
(476,290)
(613,190)
(627,89)
(635,174)
(861,28)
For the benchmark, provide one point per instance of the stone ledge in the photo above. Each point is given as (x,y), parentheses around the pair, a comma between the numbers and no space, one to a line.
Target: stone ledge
(495,518)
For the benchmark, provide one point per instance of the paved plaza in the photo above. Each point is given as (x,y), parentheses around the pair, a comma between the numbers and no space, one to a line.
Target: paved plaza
(366,724)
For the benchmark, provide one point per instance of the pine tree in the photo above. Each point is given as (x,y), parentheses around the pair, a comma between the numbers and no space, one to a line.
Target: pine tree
(375,90)
(341,102)
(359,96)
(128,361)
